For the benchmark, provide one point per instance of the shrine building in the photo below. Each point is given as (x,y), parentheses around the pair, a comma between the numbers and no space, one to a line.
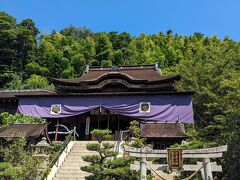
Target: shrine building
(109,98)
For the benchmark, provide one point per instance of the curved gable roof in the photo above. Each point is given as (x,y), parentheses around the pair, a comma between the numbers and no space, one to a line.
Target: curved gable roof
(146,73)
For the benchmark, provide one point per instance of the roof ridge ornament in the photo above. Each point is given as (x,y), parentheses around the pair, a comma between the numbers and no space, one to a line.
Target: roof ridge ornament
(114,68)
(87,69)
(156,66)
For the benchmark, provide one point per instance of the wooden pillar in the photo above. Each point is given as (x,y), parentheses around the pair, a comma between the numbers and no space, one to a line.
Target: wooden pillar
(87,127)
(56,131)
(98,116)
(118,122)
(74,133)
(143,170)
(207,169)
(108,119)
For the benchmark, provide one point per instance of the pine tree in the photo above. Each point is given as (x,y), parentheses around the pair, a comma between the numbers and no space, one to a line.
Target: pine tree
(105,164)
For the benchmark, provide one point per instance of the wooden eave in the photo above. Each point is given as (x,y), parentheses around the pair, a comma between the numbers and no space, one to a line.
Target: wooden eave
(129,87)
(126,77)
(65,94)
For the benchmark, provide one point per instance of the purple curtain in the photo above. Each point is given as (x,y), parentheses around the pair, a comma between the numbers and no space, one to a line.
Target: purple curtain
(170,108)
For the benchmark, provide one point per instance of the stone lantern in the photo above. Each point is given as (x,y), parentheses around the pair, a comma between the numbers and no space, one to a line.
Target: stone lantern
(42,147)
(41,150)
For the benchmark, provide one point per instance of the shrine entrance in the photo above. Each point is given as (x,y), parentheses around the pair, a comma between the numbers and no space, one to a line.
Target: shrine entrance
(98,118)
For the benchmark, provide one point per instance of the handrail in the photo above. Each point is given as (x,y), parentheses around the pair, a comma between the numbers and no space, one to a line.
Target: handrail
(120,140)
(55,159)
(64,147)
(127,135)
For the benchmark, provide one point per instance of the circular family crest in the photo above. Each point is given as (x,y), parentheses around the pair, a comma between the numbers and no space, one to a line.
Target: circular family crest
(144,107)
(56,109)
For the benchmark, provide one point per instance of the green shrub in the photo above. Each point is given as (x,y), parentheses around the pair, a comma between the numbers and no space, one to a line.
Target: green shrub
(7,119)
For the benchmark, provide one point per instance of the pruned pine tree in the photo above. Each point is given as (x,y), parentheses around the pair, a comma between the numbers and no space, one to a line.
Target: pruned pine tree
(104,164)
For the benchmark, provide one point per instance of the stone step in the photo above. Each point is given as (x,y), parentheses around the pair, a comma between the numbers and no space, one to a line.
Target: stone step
(74,167)
(75,164)
(84,142)
(81,153)
(71,171)
(77,154)
(79,147)
(79,160)
(73,158)
(64,178)
(81,150)
(69,167)
(76,157)
(78,175)
(74,161)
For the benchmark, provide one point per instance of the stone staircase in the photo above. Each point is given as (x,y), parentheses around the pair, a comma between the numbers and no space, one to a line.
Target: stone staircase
(70,168)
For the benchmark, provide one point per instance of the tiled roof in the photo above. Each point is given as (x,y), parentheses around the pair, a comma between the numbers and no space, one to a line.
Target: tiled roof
(1,128)
(12,94)
(27,130)
(163,130)
(134,72)
(137,73)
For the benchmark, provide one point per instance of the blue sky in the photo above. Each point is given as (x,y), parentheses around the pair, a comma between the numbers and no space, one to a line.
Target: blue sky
(210,17)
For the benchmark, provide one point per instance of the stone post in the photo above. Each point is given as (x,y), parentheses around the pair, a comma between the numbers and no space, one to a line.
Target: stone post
(207,169)
(202,174)
(143,170)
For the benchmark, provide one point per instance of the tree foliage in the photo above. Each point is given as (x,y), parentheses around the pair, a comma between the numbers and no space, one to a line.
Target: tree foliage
(18,163)
(136,140)
(208,65)
(6,119)
(105,164)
